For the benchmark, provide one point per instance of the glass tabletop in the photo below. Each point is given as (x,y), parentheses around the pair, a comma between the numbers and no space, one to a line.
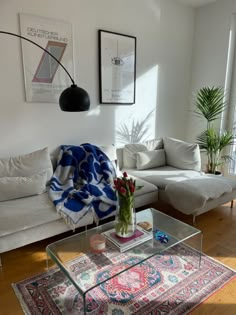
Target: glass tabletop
(87,269)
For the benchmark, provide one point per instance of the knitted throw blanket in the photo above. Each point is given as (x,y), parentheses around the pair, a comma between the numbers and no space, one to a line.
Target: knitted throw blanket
(82,182)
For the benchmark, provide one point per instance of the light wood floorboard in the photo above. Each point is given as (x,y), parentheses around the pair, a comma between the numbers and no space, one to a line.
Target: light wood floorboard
(219,242)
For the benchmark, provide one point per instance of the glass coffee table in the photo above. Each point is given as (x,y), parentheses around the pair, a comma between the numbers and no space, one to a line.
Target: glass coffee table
(80,264)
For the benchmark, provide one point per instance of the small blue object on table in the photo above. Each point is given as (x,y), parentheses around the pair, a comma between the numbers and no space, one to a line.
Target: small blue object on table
(160,236)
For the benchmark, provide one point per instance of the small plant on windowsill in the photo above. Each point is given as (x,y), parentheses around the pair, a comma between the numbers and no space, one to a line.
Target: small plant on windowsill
(125,221)
(210,104)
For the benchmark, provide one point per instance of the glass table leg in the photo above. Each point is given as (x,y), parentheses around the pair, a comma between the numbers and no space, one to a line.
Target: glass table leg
(47,261)
(200,249)
(84,302)
(195,243)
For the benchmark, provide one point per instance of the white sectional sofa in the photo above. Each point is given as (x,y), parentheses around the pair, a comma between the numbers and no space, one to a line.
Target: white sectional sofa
(157,165)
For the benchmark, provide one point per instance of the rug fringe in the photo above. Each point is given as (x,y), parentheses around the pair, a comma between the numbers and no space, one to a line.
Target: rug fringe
(20,299)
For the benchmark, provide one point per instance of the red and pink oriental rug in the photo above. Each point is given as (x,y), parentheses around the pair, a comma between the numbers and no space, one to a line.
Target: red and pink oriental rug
(171,283)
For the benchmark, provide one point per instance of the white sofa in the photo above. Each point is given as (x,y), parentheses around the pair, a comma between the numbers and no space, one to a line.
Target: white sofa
(174,167)
(26,219)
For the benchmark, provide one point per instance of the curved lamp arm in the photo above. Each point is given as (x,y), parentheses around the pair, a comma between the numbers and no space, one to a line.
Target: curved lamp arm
(72,99)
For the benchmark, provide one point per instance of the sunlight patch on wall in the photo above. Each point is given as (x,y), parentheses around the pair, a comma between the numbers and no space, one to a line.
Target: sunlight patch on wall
(136,123)
(154,6)
(94,111)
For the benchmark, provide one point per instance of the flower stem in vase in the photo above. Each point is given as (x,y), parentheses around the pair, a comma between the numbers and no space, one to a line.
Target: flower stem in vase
(125,223)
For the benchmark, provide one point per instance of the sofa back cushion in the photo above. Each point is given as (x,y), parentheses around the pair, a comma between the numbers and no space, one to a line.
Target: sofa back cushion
(150,159)
(37,162)
(129,154)
(182,155)
(154,144)
(18,187)
(130,151)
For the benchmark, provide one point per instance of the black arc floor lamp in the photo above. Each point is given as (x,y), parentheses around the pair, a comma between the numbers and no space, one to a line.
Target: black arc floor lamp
(72,99)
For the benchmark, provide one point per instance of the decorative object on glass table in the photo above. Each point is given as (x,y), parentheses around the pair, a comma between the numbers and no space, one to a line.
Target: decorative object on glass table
(125,221)
(140,236)
(97,243)
(145,225)
(161,236)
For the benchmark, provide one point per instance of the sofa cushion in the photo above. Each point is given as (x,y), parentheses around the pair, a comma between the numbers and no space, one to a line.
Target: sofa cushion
(29,212)
(37,162)
(164,175)
(196,192)
(129,151)
(154,144)
(146,195)
(129,154)
(150,159)
(182,155)
(18,187)
(21,214)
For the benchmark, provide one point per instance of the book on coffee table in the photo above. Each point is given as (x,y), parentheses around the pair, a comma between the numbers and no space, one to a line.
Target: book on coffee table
(140,236)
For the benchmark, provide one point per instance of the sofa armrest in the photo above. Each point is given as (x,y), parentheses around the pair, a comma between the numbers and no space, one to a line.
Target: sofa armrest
(119,153)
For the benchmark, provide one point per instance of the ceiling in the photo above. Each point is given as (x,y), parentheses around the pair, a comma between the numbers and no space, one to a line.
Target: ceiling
(196,3)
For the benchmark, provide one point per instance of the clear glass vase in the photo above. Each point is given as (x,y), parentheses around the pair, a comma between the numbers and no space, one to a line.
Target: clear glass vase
(125,221)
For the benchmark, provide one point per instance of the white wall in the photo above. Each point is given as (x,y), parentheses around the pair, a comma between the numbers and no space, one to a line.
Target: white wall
(175,46)
(164,31)
(210,52)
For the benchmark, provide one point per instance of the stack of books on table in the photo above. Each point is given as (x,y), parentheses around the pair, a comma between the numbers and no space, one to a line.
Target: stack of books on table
(140,236)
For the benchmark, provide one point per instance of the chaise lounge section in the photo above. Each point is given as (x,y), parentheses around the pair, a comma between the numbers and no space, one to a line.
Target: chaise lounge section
(174,167)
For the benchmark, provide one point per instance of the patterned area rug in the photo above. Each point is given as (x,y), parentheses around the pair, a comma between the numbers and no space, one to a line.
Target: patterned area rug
(171,283)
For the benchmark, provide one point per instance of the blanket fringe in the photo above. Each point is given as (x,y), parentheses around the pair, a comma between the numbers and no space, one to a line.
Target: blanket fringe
(66,218)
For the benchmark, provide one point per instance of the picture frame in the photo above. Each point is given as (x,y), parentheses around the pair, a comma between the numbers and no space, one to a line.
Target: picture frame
(117,68)
(44,78)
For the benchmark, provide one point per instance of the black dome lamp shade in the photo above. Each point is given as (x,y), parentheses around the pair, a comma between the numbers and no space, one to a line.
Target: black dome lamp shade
(72,99)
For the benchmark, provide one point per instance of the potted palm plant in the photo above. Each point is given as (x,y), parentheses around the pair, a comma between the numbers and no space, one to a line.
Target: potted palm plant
(210,104)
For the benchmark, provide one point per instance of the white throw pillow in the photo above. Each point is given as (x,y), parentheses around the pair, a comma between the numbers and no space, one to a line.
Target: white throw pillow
(17,187)
(129,154)
(182,155)
(37,162)
(150,159)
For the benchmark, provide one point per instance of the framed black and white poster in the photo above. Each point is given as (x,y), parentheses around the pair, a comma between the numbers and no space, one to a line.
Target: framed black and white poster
(117,68)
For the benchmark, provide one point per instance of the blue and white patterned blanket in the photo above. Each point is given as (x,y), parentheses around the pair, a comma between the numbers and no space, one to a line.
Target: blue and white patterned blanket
(82,182)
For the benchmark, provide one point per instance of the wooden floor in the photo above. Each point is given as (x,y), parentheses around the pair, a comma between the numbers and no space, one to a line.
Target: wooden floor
(219,242)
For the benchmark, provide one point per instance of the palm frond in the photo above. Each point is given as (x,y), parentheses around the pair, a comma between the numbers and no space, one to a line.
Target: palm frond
(227,158)
(226,138)
(210,103)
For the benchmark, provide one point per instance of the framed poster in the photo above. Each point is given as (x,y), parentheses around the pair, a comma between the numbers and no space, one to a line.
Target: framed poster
(117,68)
(44,78)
